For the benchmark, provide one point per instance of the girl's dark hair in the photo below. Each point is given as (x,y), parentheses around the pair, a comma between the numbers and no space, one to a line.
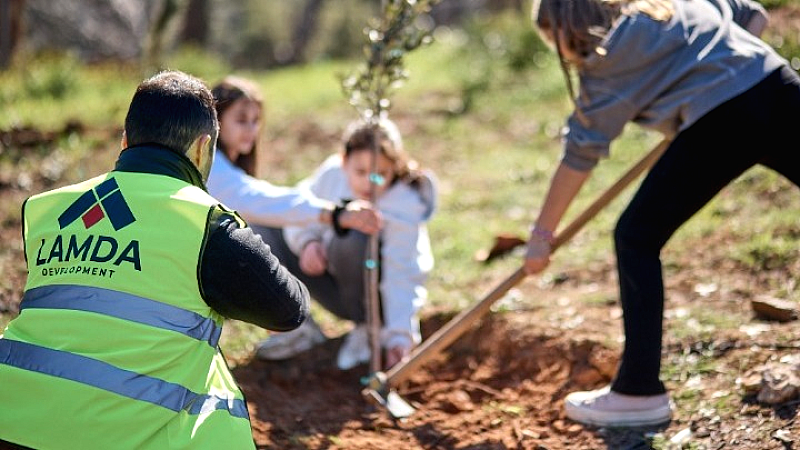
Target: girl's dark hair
(384,137)
(226,93)
(171,109)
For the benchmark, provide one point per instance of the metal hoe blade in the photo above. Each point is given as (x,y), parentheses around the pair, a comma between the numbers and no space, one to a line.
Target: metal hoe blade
(397,407)
(379,393)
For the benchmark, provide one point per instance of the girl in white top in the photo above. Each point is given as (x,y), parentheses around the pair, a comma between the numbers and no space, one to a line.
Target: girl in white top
(234,175)
(331,261)
(234,181)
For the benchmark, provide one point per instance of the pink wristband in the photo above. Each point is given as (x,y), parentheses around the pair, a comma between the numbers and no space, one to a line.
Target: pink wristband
(544,235)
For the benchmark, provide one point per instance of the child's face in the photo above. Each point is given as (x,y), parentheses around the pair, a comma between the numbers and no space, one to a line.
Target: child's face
(239,127)
(358,166)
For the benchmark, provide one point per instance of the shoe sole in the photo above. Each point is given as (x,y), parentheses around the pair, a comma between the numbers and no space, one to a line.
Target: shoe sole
(281,352)
(349,364)
(618,419)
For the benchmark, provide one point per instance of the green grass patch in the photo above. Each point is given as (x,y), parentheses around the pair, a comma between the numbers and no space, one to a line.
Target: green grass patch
(51,90)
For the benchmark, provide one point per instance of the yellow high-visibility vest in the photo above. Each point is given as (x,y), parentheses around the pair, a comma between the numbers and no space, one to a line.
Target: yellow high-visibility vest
(114,346)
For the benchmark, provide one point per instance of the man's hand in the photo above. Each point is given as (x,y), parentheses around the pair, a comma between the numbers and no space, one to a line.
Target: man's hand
(360,215)
(313,260)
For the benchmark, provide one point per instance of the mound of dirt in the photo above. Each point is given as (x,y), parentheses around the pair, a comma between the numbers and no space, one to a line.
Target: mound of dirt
(499,386)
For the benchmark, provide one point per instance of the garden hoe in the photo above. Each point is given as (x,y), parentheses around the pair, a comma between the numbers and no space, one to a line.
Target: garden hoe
(380,386)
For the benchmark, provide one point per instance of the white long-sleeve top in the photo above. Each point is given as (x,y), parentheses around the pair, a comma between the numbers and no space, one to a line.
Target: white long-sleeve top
(406,256)
(258,201)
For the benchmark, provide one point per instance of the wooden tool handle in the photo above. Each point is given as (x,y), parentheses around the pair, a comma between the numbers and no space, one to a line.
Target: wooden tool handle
(453,329)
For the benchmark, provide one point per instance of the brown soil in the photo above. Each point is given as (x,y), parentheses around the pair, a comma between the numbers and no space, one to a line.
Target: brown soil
(502,384)
(499,386)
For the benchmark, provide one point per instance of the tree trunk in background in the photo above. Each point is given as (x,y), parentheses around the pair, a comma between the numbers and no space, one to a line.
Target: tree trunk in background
(5,33)
(195,23)
(158,35)
(303,31)
(10,29)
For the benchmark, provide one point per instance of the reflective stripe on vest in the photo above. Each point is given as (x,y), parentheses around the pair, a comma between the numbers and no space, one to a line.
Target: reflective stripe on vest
(113,379)
(124,306)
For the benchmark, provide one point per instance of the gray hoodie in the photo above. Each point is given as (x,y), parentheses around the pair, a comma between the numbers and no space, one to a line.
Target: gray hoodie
(665,75)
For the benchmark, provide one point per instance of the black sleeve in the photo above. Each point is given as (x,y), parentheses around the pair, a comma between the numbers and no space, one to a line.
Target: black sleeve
(241,279)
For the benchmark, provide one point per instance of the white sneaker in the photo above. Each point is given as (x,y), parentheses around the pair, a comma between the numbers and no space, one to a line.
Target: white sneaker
(606,408)
(290,343)
(355,348)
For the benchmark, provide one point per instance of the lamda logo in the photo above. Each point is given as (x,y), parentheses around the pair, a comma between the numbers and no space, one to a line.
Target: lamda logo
(87,207)
(94,205)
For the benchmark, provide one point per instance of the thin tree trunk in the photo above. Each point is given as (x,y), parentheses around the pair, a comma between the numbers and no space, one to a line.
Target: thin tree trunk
(5,33)
(157,35)
(304,31)
(10,29)
(372,271)
(195,23)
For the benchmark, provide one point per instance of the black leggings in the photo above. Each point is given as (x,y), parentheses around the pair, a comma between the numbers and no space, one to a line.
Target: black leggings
(756,127)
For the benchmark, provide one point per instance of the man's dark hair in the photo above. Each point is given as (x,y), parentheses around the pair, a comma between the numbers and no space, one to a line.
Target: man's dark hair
(171,109)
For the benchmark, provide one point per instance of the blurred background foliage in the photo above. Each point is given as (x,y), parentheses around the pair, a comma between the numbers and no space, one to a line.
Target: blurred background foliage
(252,34)
(80,50)
(46,47)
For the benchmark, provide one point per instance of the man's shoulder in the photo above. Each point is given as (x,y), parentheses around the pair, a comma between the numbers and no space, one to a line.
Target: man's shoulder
(81,186)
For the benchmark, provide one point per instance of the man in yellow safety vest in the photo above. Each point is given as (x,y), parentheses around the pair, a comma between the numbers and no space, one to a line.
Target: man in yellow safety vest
(130,276)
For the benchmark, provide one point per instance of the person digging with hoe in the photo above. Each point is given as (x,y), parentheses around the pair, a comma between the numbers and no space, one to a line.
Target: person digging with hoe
(129,282)
(691,70)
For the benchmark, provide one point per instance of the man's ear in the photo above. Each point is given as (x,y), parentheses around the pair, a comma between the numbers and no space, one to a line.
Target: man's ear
(201,154)
(123,143)
(200,149)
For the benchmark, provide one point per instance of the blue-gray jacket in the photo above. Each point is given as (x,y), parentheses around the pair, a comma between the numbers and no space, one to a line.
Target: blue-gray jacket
(665,75)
